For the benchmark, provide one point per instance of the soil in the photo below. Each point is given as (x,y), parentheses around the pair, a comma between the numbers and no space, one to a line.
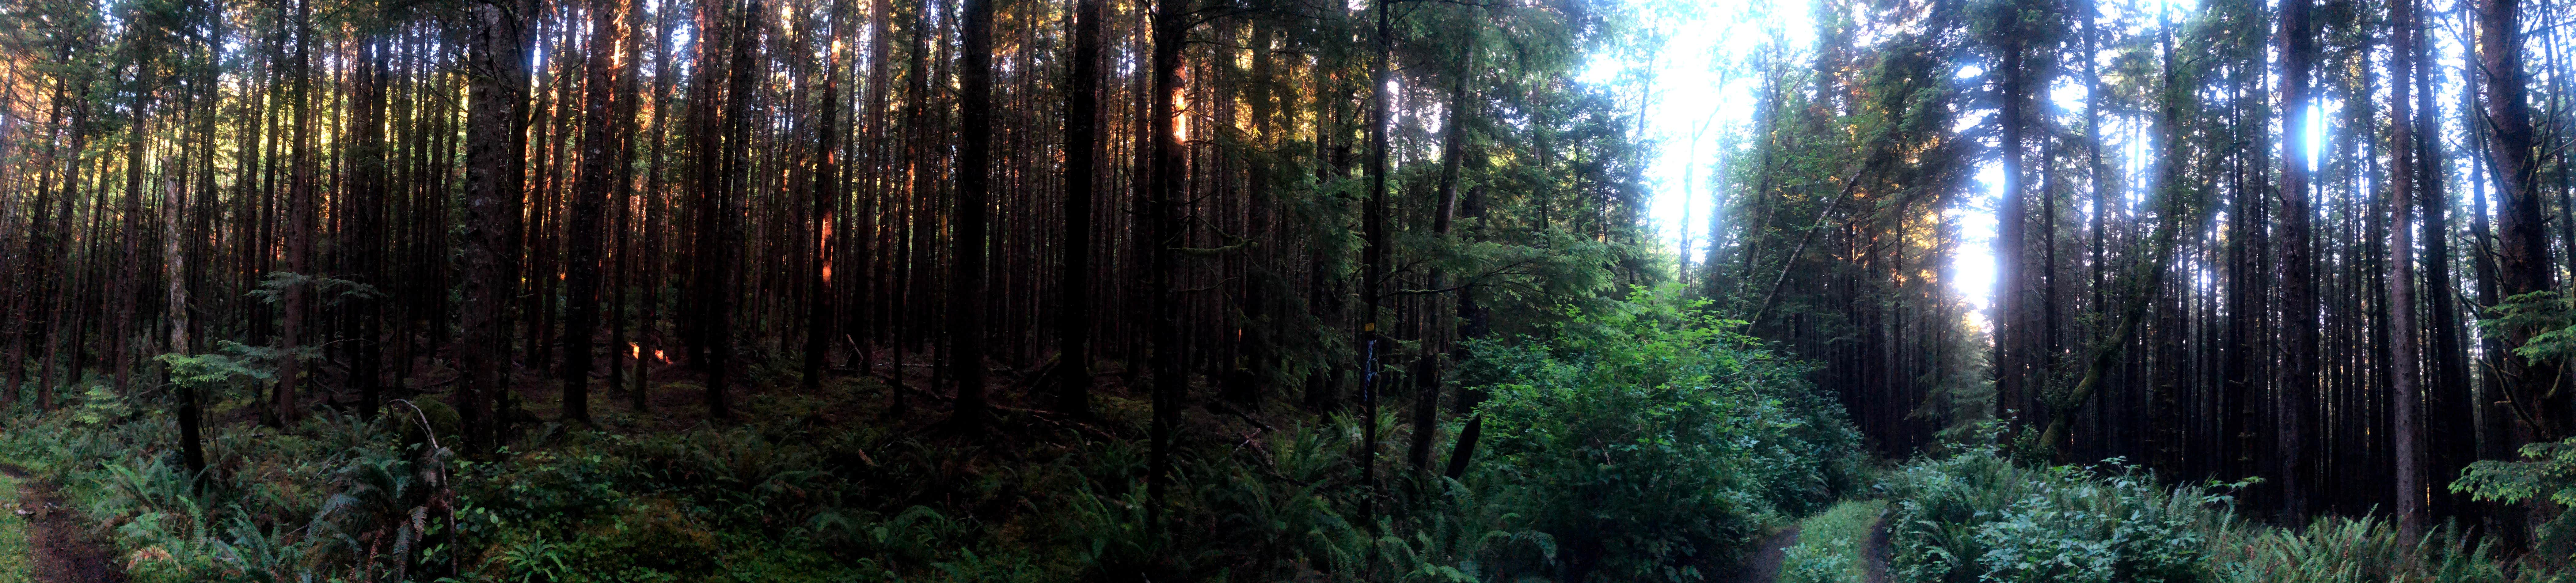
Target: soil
(1764,567)
(65,551)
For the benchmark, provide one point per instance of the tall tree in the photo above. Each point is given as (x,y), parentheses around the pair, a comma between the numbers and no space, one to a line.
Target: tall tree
(1373,254)
(299,221)
(498,74)
(821,294)
(2404,390)
(2013,332)
(966,333)
(2402,326)
(2295,446)
(1426,404)
(1082,143)
(590,201)
(2523,260)
(1167,173)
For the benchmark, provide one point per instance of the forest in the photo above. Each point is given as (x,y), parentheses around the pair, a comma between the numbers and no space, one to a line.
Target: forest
(1287,290)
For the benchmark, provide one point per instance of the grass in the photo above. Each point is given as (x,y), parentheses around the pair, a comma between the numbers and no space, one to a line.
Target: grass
(1831,544)
(17,558)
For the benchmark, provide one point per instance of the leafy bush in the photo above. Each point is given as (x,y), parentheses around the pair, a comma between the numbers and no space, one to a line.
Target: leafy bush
(1654,443)
(2548,471)
(1979,517)
(2346,550)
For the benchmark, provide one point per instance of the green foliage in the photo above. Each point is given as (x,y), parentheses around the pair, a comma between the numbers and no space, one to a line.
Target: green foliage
(333,290)
(1655,442)
(1979,517)
(1637,441)
(2549,470)
(99,404)
(16,555)
(2345,550)
(2546,319)
(215,369)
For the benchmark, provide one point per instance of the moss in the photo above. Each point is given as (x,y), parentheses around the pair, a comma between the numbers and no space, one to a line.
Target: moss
(651,534)
(440,417)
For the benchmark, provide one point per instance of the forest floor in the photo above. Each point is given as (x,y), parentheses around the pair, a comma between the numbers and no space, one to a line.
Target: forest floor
(42,541)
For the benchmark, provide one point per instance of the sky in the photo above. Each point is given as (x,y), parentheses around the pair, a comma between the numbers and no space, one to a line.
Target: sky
(1700,95)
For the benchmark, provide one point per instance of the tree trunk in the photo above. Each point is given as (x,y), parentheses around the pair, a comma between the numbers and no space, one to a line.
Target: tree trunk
(1082,149)
(1168,173)
(491,185)
(299,225)
(2295,447)
(2012,371)
(2451,400)
(2408,436)
(1373,258)
(192,453)
(1426,402)
(590,200)
(2522,258)
(827,192)
(966,301)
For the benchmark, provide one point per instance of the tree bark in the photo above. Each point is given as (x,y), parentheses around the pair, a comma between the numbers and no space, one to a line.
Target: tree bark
(590,200)
(819,308)
(2536,388)
(299,224)
(499,75)
(1168,173)
(2403,385)
(1082,149)
(2295,446)
(966,301)
(1426,403)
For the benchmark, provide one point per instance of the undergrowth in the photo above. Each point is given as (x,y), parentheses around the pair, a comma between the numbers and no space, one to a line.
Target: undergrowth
(1979,517)
(1639,443)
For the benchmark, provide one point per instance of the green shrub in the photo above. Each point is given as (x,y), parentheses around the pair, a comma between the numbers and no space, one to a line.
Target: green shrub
(2347,550)
(1978,517)
(1654,443)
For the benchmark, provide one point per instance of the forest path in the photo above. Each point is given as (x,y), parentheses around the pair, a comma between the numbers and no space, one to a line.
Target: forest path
(42,541)
(1874,558)
(1853,533)
(1764,566)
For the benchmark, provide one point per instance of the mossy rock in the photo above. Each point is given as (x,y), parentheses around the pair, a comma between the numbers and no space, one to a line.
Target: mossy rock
(441,417)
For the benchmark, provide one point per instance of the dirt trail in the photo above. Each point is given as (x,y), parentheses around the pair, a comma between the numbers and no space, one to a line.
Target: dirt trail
(1764,566)
(1874,560)
(57,535)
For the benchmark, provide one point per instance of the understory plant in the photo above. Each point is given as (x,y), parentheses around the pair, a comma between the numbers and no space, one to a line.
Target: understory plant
(1979,517)
(1655,442)
(1641,442)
